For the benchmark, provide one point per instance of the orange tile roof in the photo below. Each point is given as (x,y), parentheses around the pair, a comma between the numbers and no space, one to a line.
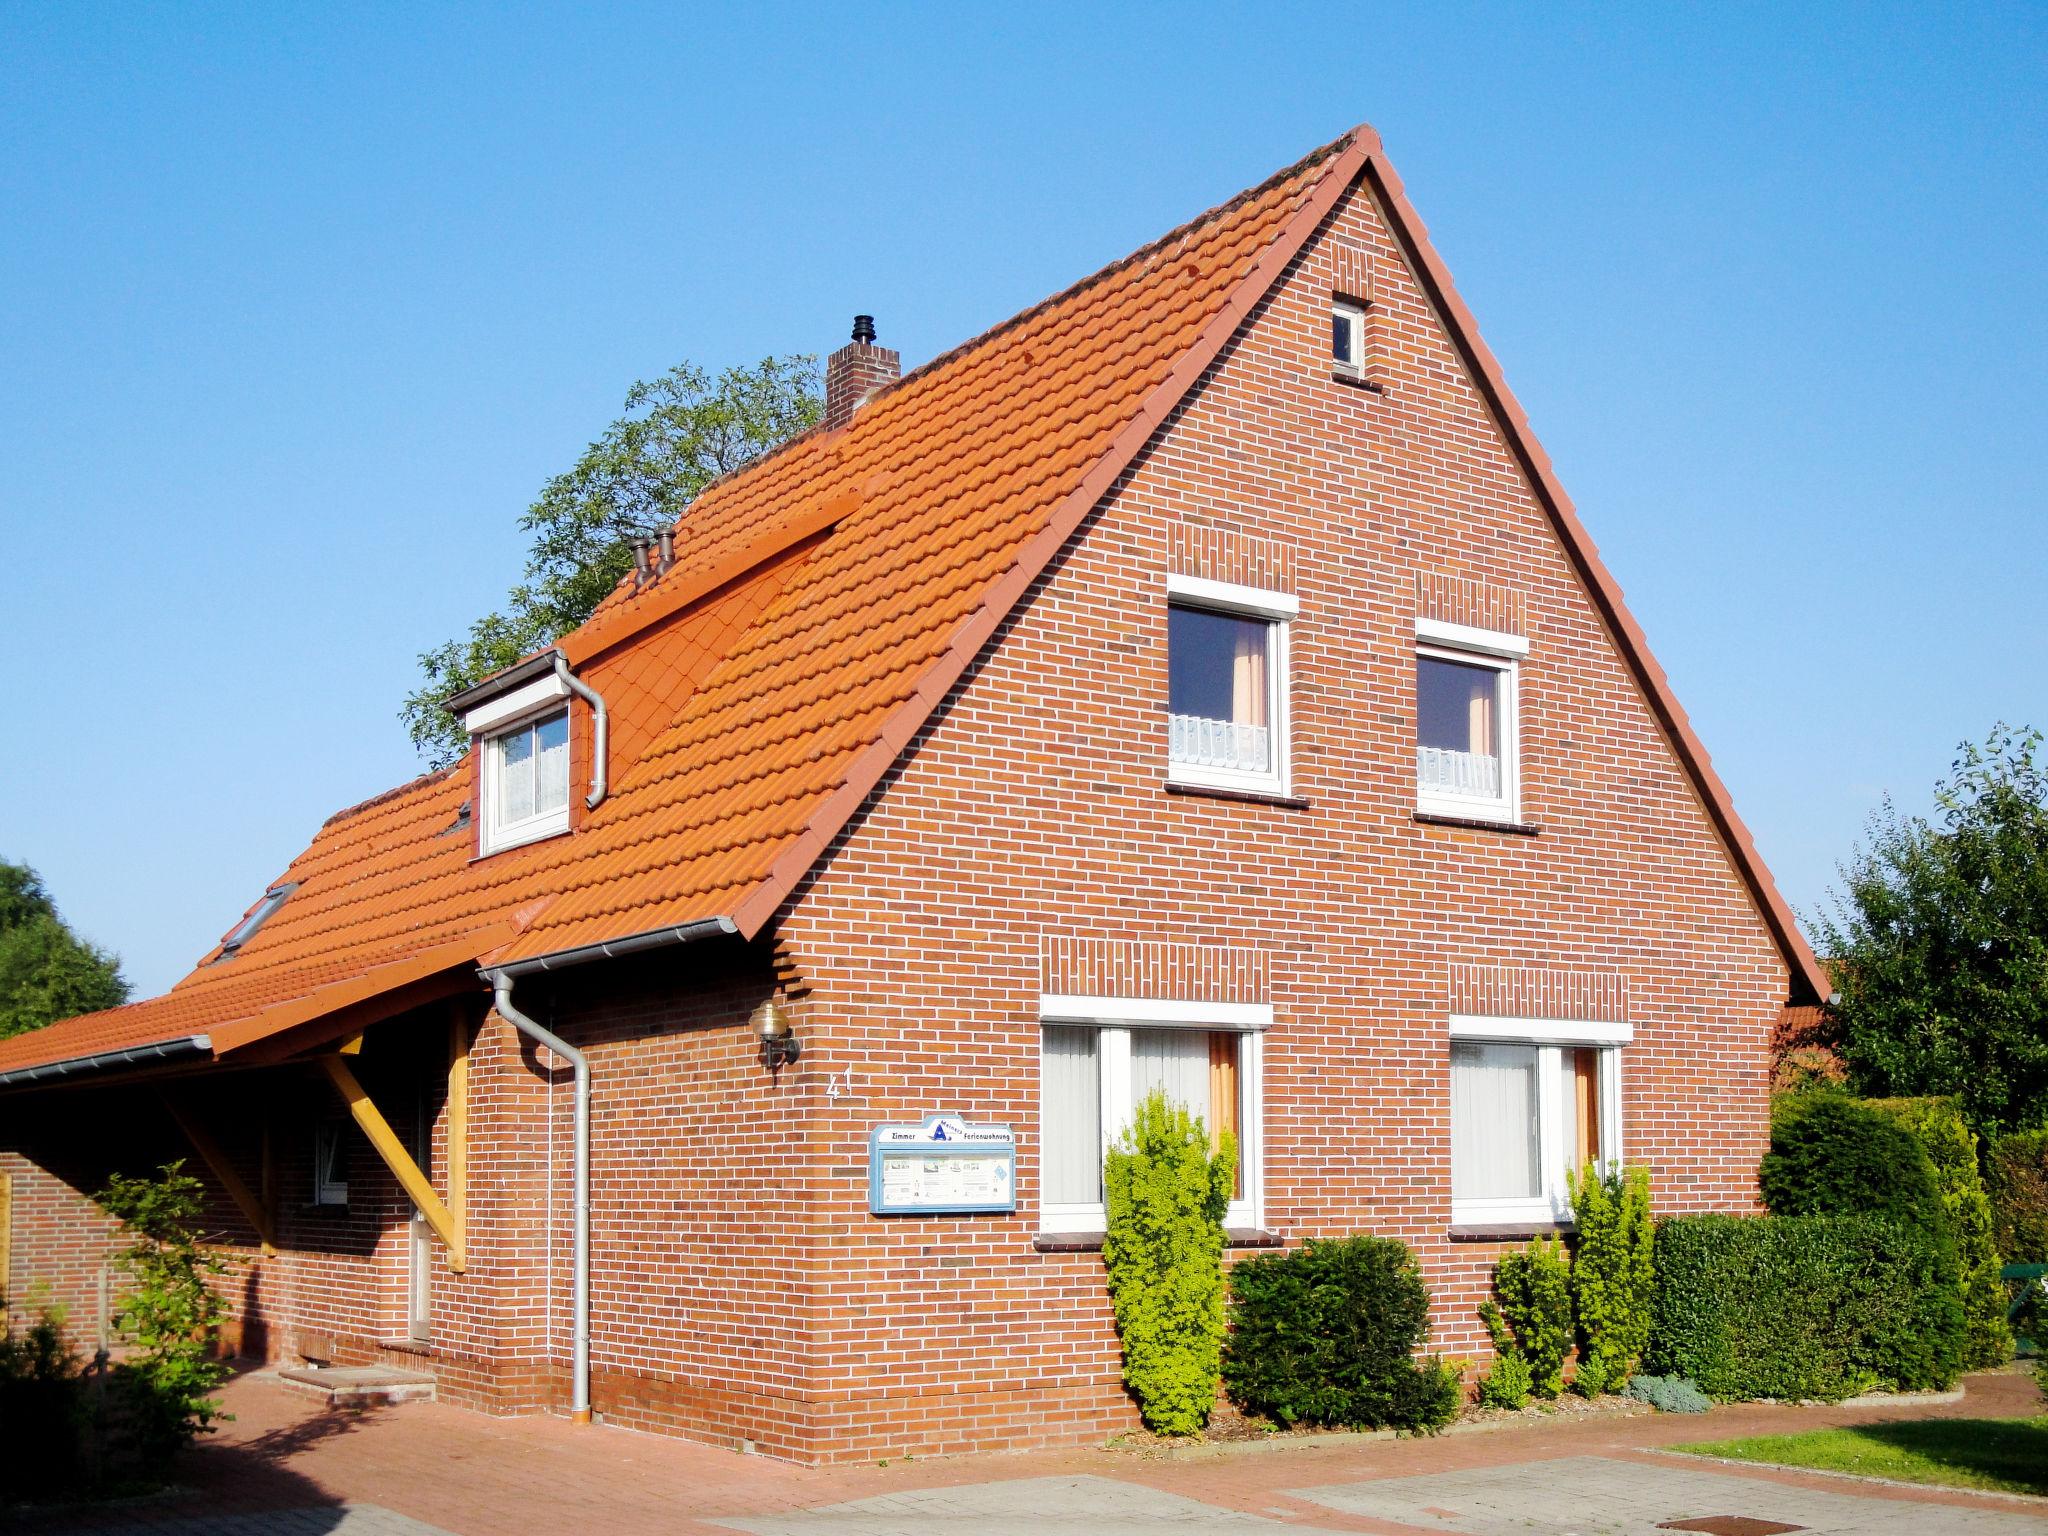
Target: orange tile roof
(822,603)
(755,701)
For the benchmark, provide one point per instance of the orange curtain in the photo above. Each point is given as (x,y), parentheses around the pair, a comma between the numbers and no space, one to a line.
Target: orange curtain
(1248,678)
(1586,1100)
(1223,1098)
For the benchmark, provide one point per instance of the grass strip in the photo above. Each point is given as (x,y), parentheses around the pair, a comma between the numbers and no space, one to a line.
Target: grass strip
(1999,1455)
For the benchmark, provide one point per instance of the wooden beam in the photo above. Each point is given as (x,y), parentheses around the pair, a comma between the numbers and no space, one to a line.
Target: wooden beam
(6,1237)
(458,1114)
(396,1158)
(210,1153)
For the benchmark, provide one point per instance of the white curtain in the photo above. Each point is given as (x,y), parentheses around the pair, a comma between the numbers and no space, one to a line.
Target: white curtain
(1072,1115)
(551,763)
(1493,1122)
(515,776)
(1175,1060)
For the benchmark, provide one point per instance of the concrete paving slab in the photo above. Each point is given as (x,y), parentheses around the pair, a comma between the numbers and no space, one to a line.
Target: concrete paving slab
(1605,1496)
(1025,1506)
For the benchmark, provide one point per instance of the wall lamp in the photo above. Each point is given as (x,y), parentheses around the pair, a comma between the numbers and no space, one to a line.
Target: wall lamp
(779,1045)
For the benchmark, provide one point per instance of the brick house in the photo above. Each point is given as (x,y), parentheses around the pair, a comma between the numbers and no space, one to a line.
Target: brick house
(1199,681)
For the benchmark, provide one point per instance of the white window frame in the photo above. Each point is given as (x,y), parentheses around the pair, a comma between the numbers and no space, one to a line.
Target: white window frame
(329,1138)
(1352,313)
(1552,1038)
(1114,1018)
(1279,610)
(494,836)
(1503,654)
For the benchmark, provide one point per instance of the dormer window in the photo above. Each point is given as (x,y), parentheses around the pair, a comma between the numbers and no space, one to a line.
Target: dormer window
(519,720)
(526,782)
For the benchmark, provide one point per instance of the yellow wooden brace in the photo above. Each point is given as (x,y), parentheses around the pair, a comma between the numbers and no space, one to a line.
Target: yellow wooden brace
(396,1158)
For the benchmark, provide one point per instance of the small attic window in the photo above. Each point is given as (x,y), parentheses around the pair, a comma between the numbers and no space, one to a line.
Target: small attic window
(259,914)
(1347,338)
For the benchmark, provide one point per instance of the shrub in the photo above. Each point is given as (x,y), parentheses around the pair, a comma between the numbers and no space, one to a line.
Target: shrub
(1614,1277)
(171,1317)
(1951,1148)
(1830,1153)
(1506,1382)
(1166,1193)
(1326,1334)
(2018,1185)
(1668,1394)
(1533,1319)
(1804,1306)
(40,1406)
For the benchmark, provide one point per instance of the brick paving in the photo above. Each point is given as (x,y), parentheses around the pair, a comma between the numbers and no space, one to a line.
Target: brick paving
(287,1465)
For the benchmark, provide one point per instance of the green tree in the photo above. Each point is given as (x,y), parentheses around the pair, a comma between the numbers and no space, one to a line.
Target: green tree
(1166,1192)
(171,1315)
(47,972)
(681,431)
(1940,943)
(1614,1274)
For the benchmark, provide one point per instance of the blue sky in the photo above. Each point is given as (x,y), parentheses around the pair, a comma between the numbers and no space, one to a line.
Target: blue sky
(303,304)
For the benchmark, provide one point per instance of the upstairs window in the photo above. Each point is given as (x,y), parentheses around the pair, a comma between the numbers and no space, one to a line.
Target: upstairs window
(1467,749)
(1347,338)
(1226,650)
(526,782)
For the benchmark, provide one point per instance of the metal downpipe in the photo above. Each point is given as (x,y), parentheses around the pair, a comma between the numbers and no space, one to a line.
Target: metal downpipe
(600,728)
(579,1369)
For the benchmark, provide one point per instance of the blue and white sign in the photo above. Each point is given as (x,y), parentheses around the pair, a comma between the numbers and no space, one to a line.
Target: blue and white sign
(944,1167)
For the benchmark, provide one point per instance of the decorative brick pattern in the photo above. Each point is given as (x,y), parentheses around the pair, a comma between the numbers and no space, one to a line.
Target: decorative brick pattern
(1523,992)
(1350,270)
(1462,600)
(1223,554)
(1194,973)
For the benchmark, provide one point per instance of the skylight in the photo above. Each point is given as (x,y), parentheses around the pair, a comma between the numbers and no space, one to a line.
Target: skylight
(258,916)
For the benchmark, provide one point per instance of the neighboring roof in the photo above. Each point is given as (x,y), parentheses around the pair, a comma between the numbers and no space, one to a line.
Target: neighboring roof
(822,603)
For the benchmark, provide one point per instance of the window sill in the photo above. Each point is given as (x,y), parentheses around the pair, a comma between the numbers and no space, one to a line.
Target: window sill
(1507,1231)
(1091,1242)
(1357,381)
(1480,823)
(1246,796)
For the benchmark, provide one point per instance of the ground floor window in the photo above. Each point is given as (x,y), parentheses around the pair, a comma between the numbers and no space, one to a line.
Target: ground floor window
(1525,1112)
(1093,1077)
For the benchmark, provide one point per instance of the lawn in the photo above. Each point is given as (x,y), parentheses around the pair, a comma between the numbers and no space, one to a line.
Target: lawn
(2006,1455)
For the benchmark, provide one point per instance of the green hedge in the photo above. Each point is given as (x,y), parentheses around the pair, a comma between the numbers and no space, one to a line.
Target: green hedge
(2019,1197)
(1951,1147)
(1832,1154)
(1326,1334)
(1804,1306)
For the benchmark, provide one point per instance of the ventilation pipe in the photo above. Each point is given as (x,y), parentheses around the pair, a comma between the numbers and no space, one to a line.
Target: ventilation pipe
(600,736)
(668,550)
(579,1365)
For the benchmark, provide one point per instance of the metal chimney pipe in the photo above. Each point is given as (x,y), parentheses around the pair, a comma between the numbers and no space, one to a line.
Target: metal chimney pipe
(668,549)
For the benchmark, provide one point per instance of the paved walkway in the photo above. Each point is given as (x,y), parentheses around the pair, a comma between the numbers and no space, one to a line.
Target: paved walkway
(288,1467)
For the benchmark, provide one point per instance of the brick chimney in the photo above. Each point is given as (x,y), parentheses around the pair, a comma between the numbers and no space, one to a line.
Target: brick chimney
(856,371)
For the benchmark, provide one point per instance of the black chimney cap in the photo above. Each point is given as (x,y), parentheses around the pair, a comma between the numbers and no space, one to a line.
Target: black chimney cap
(864,329)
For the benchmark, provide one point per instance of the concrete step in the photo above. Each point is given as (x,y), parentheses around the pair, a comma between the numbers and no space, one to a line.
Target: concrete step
(359,1386)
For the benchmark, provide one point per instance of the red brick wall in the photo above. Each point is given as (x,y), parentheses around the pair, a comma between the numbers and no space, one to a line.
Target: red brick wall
(1035,806)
